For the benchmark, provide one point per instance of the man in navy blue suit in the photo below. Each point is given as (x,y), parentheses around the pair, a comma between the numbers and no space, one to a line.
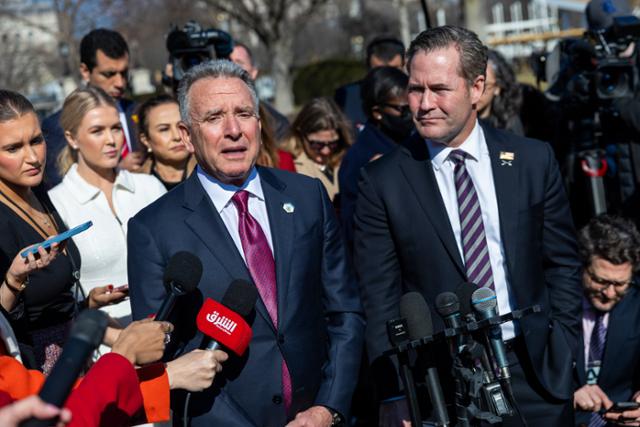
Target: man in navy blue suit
(460,202)
(104,63)
(608,363)
(270,227)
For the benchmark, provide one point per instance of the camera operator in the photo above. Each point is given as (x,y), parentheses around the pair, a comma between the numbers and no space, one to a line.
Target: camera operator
(597,112)
(607,368)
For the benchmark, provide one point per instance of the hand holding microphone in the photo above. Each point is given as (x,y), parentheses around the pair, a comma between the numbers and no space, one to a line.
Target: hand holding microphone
(196,370)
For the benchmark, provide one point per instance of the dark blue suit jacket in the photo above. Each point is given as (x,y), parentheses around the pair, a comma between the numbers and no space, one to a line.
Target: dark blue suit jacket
(404,242)
(349,100)
(619,374)
(369,142)
(321,325)
(54,137)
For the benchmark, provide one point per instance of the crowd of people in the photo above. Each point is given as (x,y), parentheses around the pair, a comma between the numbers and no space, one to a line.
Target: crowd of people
(419,177)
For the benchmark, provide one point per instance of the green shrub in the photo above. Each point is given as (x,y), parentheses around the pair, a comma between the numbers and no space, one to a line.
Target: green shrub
(322,78)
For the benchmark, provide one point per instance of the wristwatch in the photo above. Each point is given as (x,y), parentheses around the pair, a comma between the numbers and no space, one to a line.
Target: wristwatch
(336,417)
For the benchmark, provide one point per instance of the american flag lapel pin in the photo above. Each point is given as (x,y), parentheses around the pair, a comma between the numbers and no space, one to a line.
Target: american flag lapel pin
(507,158)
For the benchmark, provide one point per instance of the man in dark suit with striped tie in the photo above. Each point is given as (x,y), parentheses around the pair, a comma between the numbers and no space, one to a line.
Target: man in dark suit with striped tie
(462,202)
(608,363)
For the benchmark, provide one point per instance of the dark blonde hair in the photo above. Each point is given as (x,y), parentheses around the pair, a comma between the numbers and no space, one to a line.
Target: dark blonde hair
(317,115)
(75,107)
(268,155)
(13,105)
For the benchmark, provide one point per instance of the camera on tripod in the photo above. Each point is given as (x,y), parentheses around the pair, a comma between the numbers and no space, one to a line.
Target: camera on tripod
(192,45)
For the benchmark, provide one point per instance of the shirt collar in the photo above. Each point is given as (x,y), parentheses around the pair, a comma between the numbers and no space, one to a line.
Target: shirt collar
(221,193)
(474,146)
(85,192)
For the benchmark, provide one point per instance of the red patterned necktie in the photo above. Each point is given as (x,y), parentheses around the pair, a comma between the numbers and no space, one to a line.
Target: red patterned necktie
(262,267)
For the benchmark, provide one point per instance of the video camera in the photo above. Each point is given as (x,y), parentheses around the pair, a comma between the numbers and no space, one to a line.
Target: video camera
(192,45)
(592,70)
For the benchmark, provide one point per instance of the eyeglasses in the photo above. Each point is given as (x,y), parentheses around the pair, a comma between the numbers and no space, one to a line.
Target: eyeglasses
(604,283)
(319,145)
(402,109)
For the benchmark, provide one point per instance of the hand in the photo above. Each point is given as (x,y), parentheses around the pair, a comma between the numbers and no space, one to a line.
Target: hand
(22,410)
(626,418)
(316,416)
(591,398)
(101,296)
(394,414)
(133,161)
(21,267)
(142,341)
(196,370)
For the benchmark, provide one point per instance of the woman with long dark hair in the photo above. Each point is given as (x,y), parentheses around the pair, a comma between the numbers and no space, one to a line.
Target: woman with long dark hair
(320,135)
(500,103)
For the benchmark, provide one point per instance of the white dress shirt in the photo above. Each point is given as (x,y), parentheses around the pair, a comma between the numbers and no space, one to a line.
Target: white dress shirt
(221,194)
(478,165)
(103,247)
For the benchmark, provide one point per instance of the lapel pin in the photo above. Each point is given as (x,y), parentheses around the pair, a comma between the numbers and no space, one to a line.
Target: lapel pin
(507,158)
(288,207)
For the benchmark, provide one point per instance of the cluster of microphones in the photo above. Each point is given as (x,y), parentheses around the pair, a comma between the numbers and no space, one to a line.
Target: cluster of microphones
(223,325)
(473,338)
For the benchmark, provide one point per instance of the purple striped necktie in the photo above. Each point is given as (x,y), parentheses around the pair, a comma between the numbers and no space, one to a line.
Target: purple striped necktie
(472,235)
(262,267)
(594,363)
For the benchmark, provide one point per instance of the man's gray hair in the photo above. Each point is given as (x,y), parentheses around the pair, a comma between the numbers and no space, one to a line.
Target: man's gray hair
(217,68)
(473,54)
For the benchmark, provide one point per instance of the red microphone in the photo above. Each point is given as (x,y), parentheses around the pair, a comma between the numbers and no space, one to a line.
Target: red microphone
(224,327)
(224,323)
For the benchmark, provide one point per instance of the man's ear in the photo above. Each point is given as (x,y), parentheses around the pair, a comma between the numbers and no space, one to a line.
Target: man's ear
(477,89)
(84,72)
(185,136)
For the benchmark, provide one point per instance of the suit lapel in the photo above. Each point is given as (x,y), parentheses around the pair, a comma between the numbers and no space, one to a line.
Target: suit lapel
(418,172)
(506,181)
(206,223)
(281,223)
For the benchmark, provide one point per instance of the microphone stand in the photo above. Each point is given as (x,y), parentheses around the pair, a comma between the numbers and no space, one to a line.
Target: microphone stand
(407,361)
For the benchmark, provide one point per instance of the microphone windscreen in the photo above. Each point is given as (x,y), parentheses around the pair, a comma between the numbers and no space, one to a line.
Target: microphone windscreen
(464,292)
(90,326)
(241,297)
(415,310)
(447,303)
(484,299)
(224,326)
(184,270)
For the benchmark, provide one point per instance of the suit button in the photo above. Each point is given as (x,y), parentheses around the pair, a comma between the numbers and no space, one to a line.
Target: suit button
(280,339)
(277,399)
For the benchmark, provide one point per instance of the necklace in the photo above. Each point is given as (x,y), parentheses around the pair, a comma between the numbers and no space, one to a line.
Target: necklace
(47,220)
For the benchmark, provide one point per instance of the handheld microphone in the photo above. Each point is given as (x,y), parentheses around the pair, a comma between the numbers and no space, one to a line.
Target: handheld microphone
(484,302)
(181,277)
(85,336)
(415,310)
(224,323)
(448,307)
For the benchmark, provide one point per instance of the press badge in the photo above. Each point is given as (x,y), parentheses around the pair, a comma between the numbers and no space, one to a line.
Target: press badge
(593,370)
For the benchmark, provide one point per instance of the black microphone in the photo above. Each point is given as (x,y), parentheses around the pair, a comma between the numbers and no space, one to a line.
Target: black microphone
(181,277)
(484,303)
(85,336)
(415,310)
(448,307)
